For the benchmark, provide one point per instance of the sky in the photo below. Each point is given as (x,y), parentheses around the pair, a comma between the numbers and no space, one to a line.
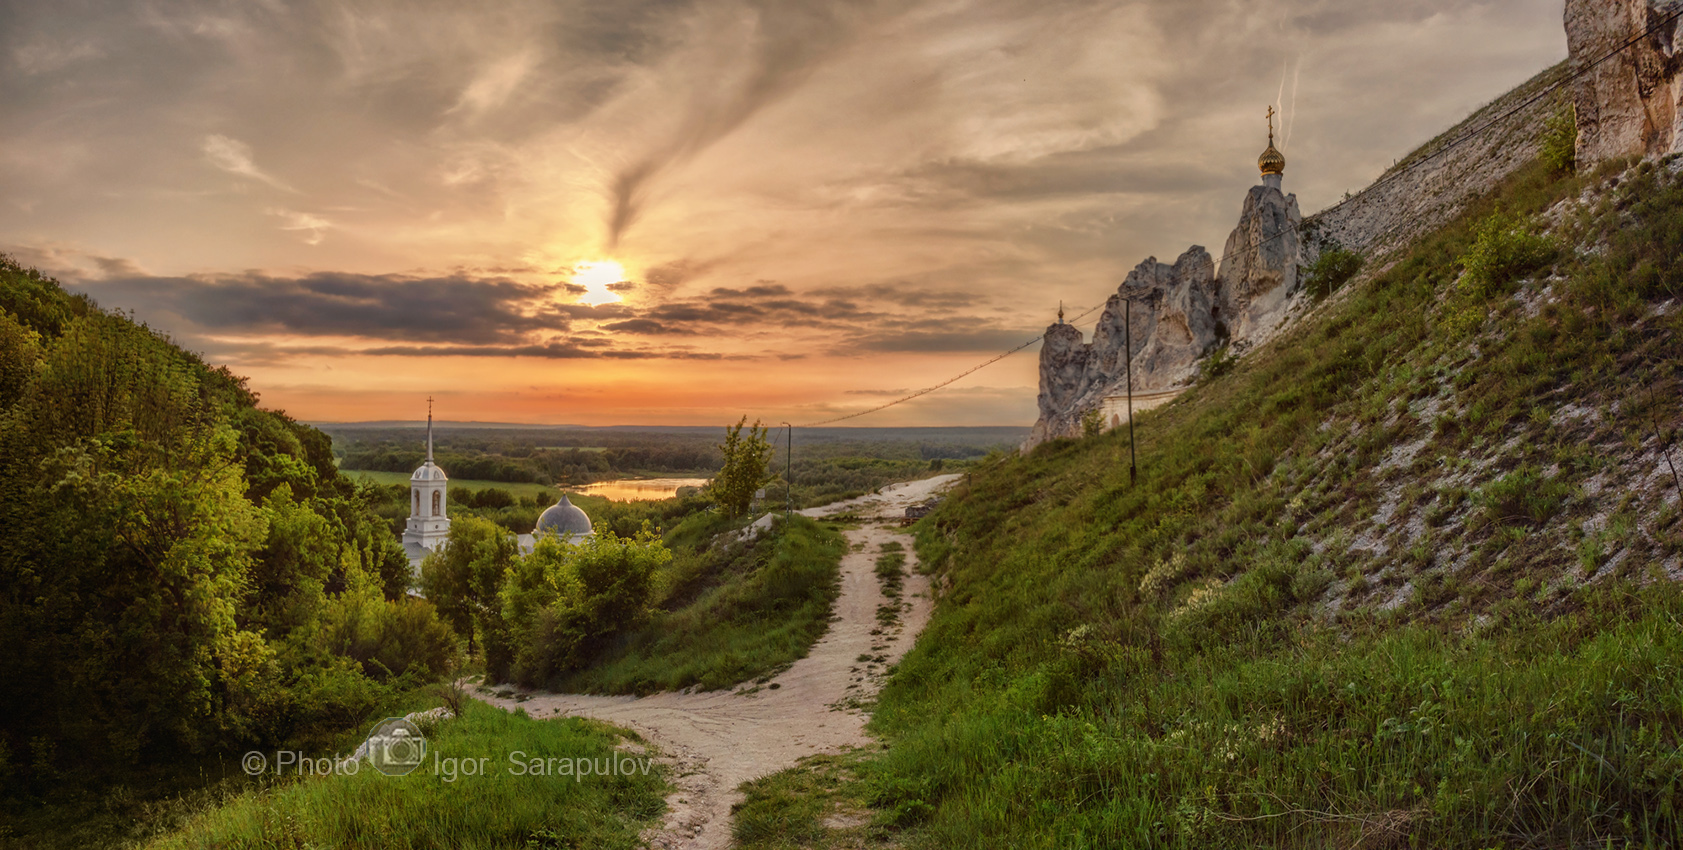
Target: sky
(667,212)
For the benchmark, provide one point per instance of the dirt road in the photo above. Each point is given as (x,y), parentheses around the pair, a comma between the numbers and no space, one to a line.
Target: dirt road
(720,739)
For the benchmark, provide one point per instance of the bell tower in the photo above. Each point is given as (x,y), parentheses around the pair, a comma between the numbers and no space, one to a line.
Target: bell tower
(429,522)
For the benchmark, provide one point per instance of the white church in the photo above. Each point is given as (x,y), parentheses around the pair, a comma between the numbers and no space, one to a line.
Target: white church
(429,518)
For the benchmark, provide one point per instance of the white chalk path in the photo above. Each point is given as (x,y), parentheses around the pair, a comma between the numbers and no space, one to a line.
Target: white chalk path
(716,740)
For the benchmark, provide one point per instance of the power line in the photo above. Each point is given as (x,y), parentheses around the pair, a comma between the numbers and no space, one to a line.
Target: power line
(1386,178)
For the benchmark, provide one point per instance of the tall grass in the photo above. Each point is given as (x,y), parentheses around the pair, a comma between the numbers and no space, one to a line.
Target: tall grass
(421,810)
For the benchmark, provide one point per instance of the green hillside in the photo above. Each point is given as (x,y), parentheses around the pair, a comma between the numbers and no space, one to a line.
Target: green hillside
(1406,576)
(1408,571)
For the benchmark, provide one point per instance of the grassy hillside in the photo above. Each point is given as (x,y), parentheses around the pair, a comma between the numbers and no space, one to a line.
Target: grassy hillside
(1408,575)
(1409,571)
(729,613)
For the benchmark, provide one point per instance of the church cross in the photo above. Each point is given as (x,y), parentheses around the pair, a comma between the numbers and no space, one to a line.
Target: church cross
(1270,124)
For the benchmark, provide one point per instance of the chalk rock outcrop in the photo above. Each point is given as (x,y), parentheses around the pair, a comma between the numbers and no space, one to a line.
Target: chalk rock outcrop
(1259,268)
(1165,318)
(1631,103)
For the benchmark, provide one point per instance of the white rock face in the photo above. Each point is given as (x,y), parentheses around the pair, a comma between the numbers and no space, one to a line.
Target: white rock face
(1178,314)
(1259,269)
(1629,104)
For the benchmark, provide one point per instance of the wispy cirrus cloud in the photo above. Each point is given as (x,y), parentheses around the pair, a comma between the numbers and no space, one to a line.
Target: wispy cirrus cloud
(234,157)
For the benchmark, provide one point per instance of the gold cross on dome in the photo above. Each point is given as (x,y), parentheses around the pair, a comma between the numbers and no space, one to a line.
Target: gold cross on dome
(1270,124)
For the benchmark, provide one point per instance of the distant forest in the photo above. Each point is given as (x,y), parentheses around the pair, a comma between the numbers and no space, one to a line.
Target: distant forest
(579,455)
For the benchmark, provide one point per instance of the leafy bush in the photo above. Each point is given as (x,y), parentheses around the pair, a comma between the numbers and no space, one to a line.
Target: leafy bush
(390,638)
(1505,248)
(1559,150)
(1331,270)
(1092,423)
(727,614)
(562,602)
(1217,363)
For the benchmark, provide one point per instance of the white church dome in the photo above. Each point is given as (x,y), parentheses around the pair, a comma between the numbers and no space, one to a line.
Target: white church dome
(429,471)
(564,519)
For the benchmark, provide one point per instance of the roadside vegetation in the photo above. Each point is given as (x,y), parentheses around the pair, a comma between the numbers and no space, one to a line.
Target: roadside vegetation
(702,605)
(707,601)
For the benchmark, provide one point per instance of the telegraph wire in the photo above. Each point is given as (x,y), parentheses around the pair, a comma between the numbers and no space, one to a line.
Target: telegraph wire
(1383,179)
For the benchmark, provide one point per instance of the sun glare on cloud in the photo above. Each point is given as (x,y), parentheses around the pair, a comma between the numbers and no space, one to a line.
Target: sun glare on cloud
(596,277)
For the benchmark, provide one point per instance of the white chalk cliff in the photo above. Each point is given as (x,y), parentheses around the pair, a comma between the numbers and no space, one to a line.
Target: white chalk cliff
(1630,104)
(1177,314)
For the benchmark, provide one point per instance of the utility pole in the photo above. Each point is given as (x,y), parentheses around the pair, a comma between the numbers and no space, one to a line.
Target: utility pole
(1128,358)
(788,463)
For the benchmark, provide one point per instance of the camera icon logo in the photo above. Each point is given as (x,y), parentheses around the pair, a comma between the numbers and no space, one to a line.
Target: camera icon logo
(396,747)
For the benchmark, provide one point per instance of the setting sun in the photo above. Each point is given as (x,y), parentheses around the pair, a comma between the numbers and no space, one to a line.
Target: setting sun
(596,277)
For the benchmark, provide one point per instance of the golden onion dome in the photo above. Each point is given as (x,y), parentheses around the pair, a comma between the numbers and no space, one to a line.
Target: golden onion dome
(1271,161)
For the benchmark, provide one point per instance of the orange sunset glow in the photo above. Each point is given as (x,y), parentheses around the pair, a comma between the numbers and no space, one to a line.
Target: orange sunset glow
(623,213)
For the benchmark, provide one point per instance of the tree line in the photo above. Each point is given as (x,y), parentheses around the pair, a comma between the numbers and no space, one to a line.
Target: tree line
(181,571)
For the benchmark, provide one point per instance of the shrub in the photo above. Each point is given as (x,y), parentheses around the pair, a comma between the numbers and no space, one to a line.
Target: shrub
(562,603)
(1524,497)
(1505,248)
(1331,270)
(390,639)
(1218,363)
(1559,151)
(744,470)
(1092,423)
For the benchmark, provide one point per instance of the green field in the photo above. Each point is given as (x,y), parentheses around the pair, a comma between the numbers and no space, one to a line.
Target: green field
(403,478)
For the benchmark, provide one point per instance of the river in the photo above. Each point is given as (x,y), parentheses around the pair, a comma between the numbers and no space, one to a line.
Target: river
(638,489)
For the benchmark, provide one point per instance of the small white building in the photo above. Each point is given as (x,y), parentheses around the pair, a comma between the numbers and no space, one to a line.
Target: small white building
(429,520)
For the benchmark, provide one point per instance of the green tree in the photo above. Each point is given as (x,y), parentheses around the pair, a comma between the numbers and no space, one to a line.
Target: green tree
(564,602)
(463,580)
(744,471)
(1092,423)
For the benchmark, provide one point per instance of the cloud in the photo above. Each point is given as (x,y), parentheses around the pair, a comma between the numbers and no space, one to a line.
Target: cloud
(234,157)
(774,48)
(644,326)
(494,85)
(44,56)
(335,304)
(853,182)
(313,227)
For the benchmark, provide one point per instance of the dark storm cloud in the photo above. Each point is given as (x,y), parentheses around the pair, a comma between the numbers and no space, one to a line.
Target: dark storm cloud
(444,309)
(464,316)
(648,327)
